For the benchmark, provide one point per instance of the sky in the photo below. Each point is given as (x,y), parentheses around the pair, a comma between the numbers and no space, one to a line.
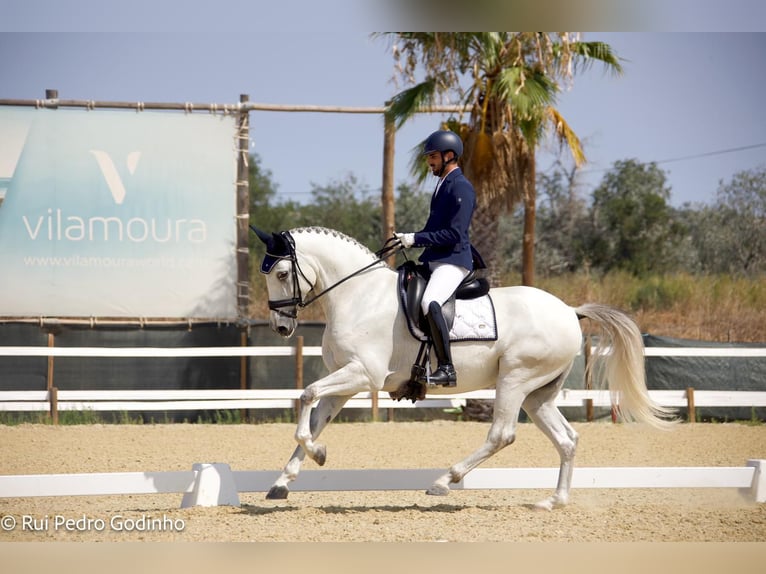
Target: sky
(688,101)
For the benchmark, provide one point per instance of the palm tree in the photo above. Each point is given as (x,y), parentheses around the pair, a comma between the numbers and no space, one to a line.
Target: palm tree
(508,83)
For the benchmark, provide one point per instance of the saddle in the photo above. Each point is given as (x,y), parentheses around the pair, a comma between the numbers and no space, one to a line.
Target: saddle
(412,284)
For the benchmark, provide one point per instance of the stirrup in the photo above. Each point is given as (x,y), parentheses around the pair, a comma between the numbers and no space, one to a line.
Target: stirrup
(443,376)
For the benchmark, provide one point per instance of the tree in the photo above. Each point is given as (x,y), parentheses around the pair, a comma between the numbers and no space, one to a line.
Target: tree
(729,236)
(347,206)
(633,227)
(265,213)
(562,217)
(412,206)
(509,83)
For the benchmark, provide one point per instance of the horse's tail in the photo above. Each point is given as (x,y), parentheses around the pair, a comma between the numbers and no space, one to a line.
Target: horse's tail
(619,361)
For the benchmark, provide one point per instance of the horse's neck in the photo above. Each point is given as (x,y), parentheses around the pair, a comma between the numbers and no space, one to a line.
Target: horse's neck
(333,259)
(332,256)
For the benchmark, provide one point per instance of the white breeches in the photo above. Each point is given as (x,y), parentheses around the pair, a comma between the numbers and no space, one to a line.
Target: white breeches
(445,278)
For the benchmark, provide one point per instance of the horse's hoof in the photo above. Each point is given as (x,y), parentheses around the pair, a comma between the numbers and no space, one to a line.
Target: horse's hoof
(277,493)
(543,506)
(320,454)
(438,490)
(550,503)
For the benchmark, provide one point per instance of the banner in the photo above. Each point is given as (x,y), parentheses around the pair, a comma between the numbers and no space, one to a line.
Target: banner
(117,214)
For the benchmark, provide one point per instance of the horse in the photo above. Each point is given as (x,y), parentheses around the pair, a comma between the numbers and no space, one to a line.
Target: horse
(367,347)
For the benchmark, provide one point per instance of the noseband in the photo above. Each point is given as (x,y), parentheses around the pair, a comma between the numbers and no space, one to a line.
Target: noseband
(390,247)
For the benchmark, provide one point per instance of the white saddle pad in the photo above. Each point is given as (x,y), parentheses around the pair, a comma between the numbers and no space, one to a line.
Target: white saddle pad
(474,320)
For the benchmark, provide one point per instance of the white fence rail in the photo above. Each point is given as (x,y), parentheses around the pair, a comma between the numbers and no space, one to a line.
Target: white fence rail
(9,351)
(159,400)
(55,400)
(285,351)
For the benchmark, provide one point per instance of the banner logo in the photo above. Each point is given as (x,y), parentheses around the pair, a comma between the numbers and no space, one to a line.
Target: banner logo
(112,176)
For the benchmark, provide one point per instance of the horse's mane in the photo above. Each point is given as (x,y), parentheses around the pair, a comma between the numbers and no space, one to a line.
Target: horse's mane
(332,233)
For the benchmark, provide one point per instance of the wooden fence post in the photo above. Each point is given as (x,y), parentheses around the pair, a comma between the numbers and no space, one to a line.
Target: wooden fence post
(692,412)
(53,398)
(298,372)
(243,210)
(587,359)
(52,390)
(387,190)
(244,413)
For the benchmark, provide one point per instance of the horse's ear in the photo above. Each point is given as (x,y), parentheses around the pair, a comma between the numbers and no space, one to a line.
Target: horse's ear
(262,235)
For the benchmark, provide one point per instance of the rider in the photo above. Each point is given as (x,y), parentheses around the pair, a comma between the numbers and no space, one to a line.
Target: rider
(448,251)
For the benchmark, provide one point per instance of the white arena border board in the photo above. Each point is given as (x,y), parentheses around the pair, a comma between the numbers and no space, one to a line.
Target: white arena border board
(213,484)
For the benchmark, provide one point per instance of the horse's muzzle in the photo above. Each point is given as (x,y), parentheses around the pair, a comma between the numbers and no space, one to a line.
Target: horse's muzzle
(282,324)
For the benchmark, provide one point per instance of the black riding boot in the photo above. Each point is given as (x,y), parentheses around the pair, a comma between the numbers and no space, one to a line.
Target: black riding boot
(445,374)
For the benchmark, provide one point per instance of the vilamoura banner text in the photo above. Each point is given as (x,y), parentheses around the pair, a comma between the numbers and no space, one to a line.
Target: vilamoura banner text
(117,214)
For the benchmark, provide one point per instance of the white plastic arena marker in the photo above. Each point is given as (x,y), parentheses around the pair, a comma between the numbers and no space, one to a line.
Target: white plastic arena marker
(213,486)
(758,488)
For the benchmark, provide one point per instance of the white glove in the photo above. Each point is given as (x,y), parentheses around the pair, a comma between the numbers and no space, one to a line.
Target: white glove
(407,239)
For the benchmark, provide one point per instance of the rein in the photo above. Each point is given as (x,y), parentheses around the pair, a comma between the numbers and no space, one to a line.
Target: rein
(390,247)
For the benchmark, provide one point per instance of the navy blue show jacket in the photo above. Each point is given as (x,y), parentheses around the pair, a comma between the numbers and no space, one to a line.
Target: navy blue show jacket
(445,235)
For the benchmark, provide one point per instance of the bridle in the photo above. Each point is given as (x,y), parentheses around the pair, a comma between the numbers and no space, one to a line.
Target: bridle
(296,302)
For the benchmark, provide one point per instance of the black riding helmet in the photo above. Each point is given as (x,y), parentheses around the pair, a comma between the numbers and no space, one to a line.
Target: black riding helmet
(444,141)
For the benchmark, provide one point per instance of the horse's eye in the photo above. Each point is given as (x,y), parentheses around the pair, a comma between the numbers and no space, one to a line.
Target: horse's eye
(282,275)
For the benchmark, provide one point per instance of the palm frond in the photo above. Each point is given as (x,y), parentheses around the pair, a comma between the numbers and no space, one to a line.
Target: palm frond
(488,47)
(566,135)
(525,89)
(418,167)
(407,103)
(588,53)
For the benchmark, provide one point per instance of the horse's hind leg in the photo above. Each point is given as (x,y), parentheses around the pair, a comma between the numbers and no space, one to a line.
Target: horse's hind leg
(326,410)
(541,408)
(502,432)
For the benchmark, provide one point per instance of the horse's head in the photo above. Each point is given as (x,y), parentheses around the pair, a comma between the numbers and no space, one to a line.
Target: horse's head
(286,281)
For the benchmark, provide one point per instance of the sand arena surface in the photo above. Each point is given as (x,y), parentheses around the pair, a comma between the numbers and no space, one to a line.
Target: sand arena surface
(604,515)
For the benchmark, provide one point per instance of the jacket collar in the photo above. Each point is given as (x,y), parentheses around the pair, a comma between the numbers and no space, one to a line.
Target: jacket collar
(453,174)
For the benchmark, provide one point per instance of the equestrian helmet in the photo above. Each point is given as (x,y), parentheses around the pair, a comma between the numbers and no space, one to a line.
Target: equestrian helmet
(443,141)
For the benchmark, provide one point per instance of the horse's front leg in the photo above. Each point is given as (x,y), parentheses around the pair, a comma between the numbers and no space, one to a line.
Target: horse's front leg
(332,392)
(327,409)
(345,382)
